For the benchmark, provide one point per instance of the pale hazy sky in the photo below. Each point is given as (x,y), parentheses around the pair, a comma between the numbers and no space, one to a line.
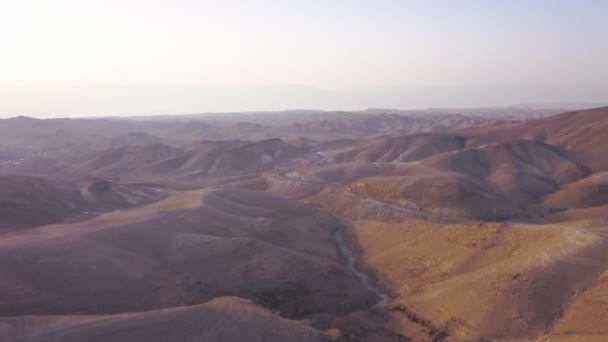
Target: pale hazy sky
(84,57)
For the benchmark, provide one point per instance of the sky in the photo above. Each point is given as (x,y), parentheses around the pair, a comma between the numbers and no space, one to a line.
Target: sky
(129,57)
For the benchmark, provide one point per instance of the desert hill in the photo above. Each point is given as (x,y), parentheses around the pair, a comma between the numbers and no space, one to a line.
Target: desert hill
(27,201)
(123,160)
(253,157)
(587,192)
(31,201)
(494,181)
(206,159)
(405,148)
(211,321)
(488,281)
(580,134)
(161,161)
(179,251)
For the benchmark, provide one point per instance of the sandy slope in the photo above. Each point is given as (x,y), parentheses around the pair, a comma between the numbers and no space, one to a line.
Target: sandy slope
(489,280)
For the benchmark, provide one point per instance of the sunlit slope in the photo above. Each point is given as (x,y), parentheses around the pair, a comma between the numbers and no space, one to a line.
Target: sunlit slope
(475,281)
